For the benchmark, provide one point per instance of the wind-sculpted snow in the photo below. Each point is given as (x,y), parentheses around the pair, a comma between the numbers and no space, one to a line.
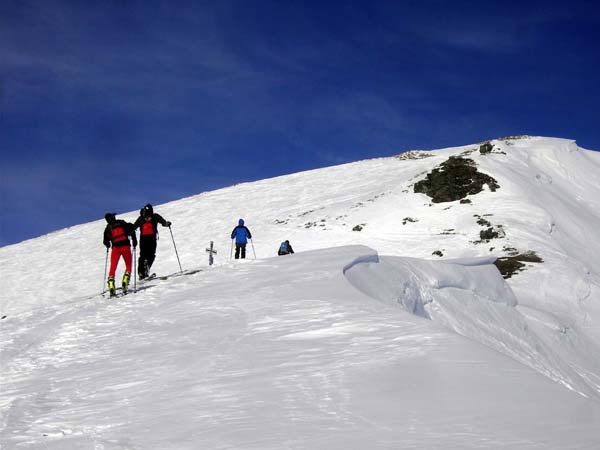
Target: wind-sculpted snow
(414,283)
(470,297)
(272,354)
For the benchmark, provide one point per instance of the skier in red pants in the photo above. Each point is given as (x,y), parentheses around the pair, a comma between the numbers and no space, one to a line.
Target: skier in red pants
(117,233)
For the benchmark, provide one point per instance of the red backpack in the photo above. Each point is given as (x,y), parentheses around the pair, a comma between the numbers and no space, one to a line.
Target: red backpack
(118,233)
(147,227)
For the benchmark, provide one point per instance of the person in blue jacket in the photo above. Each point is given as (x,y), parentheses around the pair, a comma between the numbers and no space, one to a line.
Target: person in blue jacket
(285,248)
(241,234)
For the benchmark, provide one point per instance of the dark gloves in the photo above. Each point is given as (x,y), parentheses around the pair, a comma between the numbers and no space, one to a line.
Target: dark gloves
(167,224)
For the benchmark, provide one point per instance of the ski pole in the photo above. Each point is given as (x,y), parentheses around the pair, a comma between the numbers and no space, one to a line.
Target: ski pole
(105,266)
(231,251)
(134,272)
(176,254)
(252,242)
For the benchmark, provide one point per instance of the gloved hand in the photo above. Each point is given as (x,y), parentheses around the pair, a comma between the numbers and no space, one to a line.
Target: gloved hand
(168,223)
(107,246)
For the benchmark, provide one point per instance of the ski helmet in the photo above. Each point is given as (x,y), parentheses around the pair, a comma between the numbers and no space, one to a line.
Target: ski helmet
(110,217)
(148,211)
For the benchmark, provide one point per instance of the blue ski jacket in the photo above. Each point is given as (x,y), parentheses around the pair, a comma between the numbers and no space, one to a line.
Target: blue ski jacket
(241,234)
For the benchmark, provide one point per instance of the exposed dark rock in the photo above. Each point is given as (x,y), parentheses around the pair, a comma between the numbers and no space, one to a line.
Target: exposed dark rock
(484,223)
(409,219)
(529,256)
(510,265)
(438,253)
(490,233)
(455,179)
(449,231)
(513,138)
(465,201)
(358,227)
(486,148)
(413,154)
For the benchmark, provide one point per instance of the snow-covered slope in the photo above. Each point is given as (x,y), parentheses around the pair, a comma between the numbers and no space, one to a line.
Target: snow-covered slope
(366,341)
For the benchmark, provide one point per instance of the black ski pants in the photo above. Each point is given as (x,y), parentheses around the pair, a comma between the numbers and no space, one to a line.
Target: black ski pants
(147,254)
(240,248)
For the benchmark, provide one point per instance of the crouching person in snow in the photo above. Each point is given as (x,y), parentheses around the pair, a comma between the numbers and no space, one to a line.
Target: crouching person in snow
(116,234)
(285,248)
(241,234)
(148,225)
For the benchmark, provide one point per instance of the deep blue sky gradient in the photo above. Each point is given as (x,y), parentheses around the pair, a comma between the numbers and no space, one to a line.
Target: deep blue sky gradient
(105,106)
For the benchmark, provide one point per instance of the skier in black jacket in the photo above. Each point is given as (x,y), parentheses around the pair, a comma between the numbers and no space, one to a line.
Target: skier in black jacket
(148,225)
(116,234)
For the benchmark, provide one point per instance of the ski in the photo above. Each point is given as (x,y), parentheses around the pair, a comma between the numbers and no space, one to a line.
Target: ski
(142,284)
(178,274)
(148,278)
(119,292)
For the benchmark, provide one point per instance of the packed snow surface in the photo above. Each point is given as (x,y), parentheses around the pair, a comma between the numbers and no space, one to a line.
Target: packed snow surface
(362,339)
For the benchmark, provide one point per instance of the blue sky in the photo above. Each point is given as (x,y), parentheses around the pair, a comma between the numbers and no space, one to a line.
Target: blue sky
(106,106)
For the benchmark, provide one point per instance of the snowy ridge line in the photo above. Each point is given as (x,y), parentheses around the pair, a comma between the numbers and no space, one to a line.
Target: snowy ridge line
(328,348)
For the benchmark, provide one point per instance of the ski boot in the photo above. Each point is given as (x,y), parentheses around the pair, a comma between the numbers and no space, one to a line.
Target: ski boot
(111,287)
(143,272)
(125,284)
